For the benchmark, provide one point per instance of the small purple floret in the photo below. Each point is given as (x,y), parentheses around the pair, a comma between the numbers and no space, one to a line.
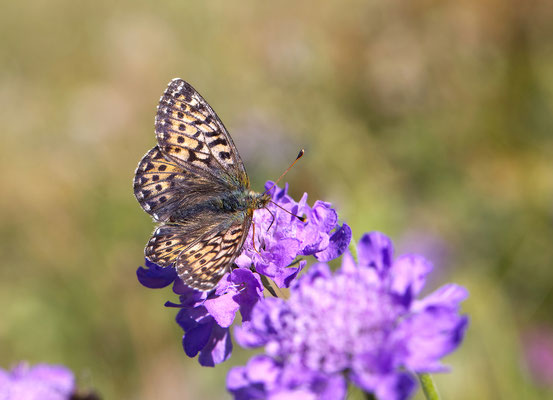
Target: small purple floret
(281,237)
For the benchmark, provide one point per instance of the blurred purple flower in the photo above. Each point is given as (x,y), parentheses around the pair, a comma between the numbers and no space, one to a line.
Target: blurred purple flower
(41,382)
(265,378)
(362,323)
(206,317)
(538,351)
(281,237)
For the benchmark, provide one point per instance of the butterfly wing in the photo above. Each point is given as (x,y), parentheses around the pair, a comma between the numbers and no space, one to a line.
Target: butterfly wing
(201,259)
(166,243)
(202,265)
(189,132)
(163,188)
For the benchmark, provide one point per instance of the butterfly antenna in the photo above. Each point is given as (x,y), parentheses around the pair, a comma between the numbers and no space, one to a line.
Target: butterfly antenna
(302,219)
(272,215)
(300,155)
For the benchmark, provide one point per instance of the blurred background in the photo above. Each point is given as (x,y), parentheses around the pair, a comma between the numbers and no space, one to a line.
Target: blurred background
(428,120)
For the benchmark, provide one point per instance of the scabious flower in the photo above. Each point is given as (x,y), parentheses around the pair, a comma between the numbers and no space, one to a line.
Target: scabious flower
(40,382)
(280,239)
(361,325)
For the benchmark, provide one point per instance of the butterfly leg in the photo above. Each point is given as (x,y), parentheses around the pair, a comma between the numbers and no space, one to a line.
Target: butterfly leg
(253,239)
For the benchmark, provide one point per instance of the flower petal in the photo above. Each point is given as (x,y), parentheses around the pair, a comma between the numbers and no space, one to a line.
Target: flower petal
(196,338)
(409,274)
(223,309)
(218,349)
(154,276)
(376,250)
(338,244)
(448,296)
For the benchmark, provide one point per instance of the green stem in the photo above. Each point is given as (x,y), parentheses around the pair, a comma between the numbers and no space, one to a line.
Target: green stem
(369,396)
(267,285)
(428,387)
(353,248)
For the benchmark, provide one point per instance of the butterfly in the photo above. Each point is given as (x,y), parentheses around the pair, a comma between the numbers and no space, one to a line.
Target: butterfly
(194,184)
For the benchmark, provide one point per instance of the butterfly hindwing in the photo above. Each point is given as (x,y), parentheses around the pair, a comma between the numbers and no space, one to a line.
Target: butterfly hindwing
(166,243)
(189,131)
(202,264)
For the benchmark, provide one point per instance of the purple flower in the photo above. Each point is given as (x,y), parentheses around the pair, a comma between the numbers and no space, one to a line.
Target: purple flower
(41,382)
(206,317)
(280,237)
(362,323)
(538,351)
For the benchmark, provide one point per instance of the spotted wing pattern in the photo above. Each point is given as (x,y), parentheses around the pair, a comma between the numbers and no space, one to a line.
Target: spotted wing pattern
(166,243)
(157,184)
(189,131)
(202,264)
(163,188)
(201,261)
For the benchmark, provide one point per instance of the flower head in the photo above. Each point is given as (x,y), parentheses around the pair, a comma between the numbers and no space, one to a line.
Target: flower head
(363,322)
(41,382)
(280,237)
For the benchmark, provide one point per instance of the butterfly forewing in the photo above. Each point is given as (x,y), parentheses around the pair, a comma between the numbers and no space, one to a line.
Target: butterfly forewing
(189,131)
(164,189)
(203,264)
(158,184)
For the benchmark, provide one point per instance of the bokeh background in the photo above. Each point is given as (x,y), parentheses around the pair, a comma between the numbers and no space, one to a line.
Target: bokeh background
(431,121)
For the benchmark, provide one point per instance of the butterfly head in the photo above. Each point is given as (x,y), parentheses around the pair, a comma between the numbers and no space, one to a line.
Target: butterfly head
(258,200)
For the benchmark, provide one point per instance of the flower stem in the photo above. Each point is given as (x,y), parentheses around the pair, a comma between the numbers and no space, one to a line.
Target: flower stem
(267,285)
(353,249)
(428,387)
(369,396)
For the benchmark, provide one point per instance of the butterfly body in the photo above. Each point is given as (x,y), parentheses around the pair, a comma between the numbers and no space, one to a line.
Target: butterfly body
(195,185)
(238,202)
